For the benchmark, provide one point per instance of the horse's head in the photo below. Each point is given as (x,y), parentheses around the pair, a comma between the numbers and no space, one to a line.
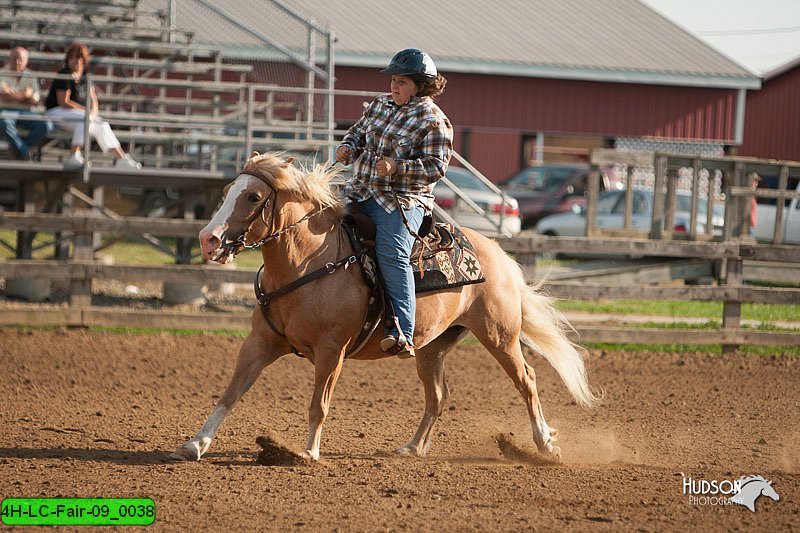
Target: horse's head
(768,491)
(751,487)
(251,205)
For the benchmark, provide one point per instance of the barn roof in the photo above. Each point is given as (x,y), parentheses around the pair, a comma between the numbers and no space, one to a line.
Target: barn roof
(782,69)
(594,40)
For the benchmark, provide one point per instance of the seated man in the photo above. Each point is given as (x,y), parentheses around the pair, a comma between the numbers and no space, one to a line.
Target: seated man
(19,91)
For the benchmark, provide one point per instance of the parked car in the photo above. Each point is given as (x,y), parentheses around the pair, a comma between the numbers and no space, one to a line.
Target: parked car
(611,215)
(483,196)
(790,225)
(543,190)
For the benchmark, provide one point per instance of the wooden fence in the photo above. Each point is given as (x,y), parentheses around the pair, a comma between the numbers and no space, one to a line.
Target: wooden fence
(82,268)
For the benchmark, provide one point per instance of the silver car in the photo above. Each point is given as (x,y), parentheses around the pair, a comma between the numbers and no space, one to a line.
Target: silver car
(483,197)
(611,213)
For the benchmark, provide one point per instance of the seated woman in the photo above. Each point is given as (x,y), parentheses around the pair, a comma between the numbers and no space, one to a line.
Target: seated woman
(67,101)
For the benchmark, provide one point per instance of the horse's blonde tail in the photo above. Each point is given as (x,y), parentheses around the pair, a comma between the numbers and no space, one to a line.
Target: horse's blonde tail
(544,330)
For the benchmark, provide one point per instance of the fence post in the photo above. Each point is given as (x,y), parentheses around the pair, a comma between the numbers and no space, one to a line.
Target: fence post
(657,227)
(30,289)
(184,292)
(670,204)
(732,309)
(593,191)
(527,263)
(697,165)
(628,216)
(80,289)
(783,185)
(742,202)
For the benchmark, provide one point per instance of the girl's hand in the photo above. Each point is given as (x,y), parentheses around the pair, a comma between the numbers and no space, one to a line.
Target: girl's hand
(386,167)
(343,153)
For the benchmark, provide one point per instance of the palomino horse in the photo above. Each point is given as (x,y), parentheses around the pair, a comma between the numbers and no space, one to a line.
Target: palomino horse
(295,217)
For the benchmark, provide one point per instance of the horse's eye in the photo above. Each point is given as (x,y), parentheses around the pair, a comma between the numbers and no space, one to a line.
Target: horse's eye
(253,197)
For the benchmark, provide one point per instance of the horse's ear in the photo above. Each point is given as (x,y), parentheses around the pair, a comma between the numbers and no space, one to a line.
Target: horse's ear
(289,161)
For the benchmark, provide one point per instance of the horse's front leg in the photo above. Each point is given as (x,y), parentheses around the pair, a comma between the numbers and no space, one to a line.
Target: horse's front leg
(326,371)
(252,359)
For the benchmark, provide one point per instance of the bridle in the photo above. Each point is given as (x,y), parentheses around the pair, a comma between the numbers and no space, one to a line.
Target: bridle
(270,202)
(264,299)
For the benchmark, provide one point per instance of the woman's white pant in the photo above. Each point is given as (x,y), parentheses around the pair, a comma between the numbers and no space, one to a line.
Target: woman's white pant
(73,119)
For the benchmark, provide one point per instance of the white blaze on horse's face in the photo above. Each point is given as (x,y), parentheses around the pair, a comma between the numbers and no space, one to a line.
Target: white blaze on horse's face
(230,220)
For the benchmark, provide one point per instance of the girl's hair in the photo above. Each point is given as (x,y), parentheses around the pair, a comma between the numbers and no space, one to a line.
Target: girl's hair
(432,88)
(77,50)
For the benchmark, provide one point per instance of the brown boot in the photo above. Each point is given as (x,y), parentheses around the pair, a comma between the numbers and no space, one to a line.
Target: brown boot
(391,345)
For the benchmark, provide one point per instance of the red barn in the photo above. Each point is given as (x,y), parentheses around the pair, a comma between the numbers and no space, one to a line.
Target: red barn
(528,80)
(772,119)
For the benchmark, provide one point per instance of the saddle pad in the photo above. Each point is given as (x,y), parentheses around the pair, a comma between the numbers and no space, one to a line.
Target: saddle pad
(451,267)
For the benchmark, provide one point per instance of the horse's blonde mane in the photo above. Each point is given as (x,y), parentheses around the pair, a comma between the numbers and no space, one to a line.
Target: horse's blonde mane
(285,175)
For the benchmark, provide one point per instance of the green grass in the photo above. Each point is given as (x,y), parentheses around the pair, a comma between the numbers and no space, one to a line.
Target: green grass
(137,253)
(125,252)
(134,252)
(176,332)
(763,351)
(774,351)
(710,310)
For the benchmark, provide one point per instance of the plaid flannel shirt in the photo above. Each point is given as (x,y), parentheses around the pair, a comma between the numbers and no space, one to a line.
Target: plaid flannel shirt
(417,135)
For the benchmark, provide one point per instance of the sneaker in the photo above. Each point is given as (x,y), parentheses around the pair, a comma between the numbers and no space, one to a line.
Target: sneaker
(128,162)
(392,346)
(16,154)
(74,162)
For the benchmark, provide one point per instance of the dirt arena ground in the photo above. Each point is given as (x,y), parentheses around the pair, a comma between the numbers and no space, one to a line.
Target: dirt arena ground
(97,414)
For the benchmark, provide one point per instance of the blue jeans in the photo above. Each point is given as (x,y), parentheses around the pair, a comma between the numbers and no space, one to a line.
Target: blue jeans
(393,245)
(37,130)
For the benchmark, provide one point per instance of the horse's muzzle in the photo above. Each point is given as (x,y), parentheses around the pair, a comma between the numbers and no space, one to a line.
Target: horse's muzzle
(219,249)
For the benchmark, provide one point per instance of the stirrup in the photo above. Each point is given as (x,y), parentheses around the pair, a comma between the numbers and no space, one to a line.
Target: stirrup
(399,347)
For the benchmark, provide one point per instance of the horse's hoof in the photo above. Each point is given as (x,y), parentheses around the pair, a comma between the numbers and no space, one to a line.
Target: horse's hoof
(408,451)
(308,455)
(192,450)
(184,454)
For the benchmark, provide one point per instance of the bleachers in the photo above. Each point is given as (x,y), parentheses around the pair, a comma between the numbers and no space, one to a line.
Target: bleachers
(171,102)
(93,18)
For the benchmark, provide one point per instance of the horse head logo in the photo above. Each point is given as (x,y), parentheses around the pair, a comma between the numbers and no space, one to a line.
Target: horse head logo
(751,488)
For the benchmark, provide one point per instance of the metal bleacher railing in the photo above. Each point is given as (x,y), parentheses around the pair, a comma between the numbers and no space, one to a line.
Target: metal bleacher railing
(178,104)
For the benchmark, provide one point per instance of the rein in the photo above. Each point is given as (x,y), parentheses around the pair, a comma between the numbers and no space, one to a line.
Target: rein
(265,298)
(277,234)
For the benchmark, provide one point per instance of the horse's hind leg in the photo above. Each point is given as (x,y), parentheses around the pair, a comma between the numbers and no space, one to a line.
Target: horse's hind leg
(509,355)
(430,369)
(252,360)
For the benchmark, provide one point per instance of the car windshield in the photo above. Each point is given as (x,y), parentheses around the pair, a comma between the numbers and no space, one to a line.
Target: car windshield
(607,202)
(464,179)
(684,203)
(613,203)
(543,179)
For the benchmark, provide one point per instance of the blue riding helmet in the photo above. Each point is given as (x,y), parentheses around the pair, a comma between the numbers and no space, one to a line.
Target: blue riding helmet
(412,62)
